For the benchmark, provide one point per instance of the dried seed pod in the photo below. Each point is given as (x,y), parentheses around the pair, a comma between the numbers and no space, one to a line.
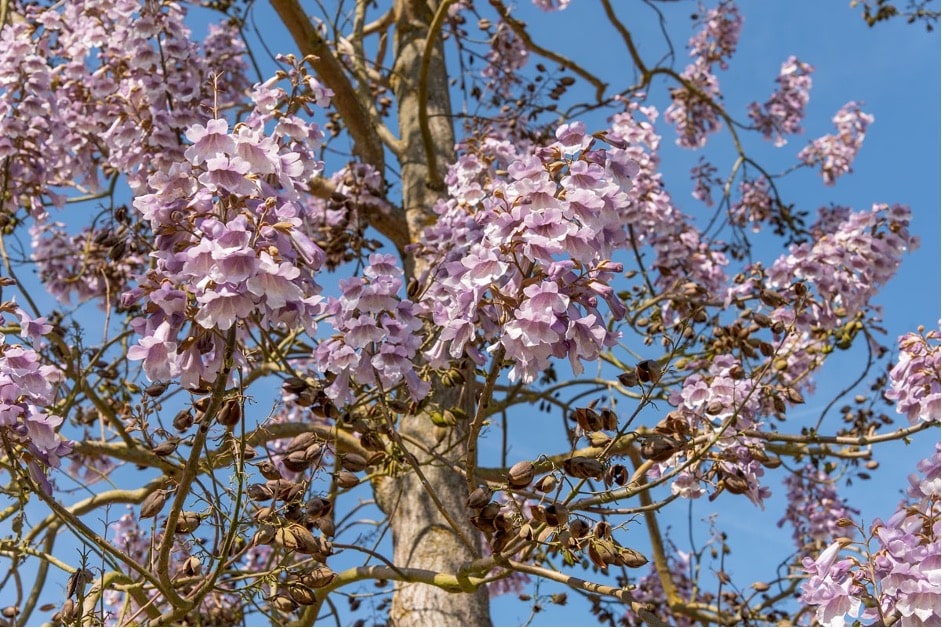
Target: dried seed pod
(318,577)
(735,484)
(520,475)
(283,603)
(628,557)
(301,594)
(265,535)
(578,528)
(547,483)
(617,475)
(504,521)
(295,385)
(156,389)
(317,507)
(771,298)
(153,504)
(602,553)
(346,479)
(658,447)
(602,530)
(479,497)
(268,470)
(10,611)
(760,586)
(609,419)
(556,515)
(183,420)
(190,567)
(230,414)
(201,404)
(372,441)
(490,511)
(259,492)
(302,441)
(588,419)
(583,467)
(715,407)
(187,522)
(484,525)
(314,453)
(648,371)
(353,462)
(628,379)
(65,615)
(326,525)
(296,461)
(599,439)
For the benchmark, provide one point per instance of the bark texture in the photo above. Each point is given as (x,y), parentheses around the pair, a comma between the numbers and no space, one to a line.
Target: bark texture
(422,536)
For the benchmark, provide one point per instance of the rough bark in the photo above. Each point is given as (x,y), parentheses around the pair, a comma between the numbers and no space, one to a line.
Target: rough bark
(422,536)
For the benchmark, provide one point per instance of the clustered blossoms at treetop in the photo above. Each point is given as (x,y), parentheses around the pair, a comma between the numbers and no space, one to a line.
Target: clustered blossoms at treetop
(335,327)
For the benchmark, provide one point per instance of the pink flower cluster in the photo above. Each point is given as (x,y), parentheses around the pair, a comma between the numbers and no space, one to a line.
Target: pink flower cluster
(507,56)
(231,241)
(851,256)
(150,79)
(835,154)
(783,112)
(814,508)
(900,578)
(681,256)
(522,263)
(721,400)
(552,5)
(27,389)
(754,205)
(692,111)
(914,381)
(377,334)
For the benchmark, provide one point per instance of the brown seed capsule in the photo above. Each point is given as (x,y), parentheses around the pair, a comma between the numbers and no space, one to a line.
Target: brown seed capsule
(302,441)
(230,414)
(658,447)
(153,504)
(296,461)
(295,385)
(283,604)
(628,379)
(318,577)
(556,515)
(578,528)
(183,421)
(521,474)
(546,484)
(602,530)
(317,507)
(588,419)
(191,567)
(617,475)
(760,586)
(301,594)
(268,470)
(602,553)
(771,298)
(599,439)
(648,371)
(628,557)
(314,453)
(735,484)
(353,462)
(346,479)
(259,492)
(583,467)
(167,447)
(187,522)
(479,498)
(156,389)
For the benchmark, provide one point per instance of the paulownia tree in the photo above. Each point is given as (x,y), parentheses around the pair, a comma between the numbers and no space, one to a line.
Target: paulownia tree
(284,318)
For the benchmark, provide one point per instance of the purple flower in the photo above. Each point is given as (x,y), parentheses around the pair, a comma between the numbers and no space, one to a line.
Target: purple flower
(158,353)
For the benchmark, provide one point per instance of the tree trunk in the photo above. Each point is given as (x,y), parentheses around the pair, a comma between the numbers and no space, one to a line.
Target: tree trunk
(422,537)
